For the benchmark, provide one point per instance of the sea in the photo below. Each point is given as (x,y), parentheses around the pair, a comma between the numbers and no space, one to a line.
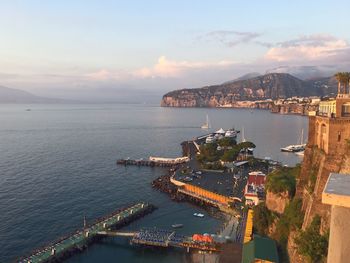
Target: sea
(58,164)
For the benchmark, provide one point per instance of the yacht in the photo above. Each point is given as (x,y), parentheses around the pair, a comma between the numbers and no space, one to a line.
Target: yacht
(293,148)
(206,125)
(296,147)
(221,131)
(231,133)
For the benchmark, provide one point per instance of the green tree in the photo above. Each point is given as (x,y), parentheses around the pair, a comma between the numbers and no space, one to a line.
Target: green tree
(311,243)
(282,180)
(291,219)
(246,145)
(226,141)
(263,218)
(230,155)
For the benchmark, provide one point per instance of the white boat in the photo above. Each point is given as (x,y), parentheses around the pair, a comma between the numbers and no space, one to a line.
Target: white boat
(177,225)
(296,147)
(198,215)
(293,148)
(231,133)
(221,131)
(206,125)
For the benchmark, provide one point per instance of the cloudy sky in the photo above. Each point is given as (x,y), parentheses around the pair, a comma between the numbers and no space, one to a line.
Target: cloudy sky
(113,49)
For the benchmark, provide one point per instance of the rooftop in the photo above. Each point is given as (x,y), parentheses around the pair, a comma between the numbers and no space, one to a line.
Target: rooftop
(257,179)
(216,182)
(260,248)
(337,190)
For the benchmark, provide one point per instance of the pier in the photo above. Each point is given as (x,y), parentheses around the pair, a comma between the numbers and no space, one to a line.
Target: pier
(154,161)
(79,240)
(166,239)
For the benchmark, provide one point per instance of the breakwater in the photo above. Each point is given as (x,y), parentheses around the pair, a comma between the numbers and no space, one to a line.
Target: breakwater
(79,240)
(154,161)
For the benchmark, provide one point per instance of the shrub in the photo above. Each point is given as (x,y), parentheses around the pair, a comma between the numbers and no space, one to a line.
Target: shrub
(230,155)
(263,218)
(311,243)
(225,142)
(283,180)
(291,219)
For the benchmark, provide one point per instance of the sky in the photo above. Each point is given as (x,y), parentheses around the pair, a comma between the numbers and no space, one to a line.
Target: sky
(117,50)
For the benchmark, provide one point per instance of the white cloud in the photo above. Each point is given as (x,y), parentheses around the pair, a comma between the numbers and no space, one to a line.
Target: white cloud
(170,68)
(104,75)
(311,48)
(231,38)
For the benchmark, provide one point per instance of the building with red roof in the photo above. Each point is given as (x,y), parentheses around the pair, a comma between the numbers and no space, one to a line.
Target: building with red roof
(254,190)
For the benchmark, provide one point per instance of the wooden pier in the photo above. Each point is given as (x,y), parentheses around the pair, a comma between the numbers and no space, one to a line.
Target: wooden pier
(164,238)
(78,241)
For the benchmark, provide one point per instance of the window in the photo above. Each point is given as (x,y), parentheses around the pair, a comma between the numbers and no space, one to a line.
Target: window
(339,136)
(346,110)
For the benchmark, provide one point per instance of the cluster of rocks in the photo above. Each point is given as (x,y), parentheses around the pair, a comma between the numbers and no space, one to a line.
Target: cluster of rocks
(164,185)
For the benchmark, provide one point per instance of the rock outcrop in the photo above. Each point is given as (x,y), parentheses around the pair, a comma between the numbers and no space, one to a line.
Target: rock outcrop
(277,202)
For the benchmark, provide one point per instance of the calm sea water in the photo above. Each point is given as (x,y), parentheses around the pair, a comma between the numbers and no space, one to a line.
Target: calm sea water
(57,164)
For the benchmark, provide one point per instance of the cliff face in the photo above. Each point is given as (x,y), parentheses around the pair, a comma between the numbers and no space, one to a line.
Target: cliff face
(314,174)
(277,202)
(269,86)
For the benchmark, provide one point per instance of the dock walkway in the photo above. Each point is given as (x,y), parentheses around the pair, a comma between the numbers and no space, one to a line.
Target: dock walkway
(81,238)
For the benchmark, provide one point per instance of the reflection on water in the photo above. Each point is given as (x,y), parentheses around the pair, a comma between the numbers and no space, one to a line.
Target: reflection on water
(57,164)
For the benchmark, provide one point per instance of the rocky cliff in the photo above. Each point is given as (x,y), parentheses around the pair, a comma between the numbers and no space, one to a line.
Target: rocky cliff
(315,171)
(277,202)
(229,94)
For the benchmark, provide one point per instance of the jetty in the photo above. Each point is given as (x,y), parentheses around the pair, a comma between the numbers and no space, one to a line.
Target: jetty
(79,240)
(154,161)
(166,239)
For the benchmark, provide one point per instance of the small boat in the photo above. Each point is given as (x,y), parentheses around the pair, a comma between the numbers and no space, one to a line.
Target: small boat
(206,125)
(198,215)
(177,225)
(28,109)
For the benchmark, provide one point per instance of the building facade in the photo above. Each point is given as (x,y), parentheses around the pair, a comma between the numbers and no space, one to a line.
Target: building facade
(329,130)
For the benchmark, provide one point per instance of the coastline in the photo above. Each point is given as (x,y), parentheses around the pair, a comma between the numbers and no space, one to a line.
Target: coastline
(284,109)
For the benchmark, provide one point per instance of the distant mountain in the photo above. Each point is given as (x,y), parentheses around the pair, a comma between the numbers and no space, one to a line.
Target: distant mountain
(244,77)
(306,72)
(8,95)
(268,86)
